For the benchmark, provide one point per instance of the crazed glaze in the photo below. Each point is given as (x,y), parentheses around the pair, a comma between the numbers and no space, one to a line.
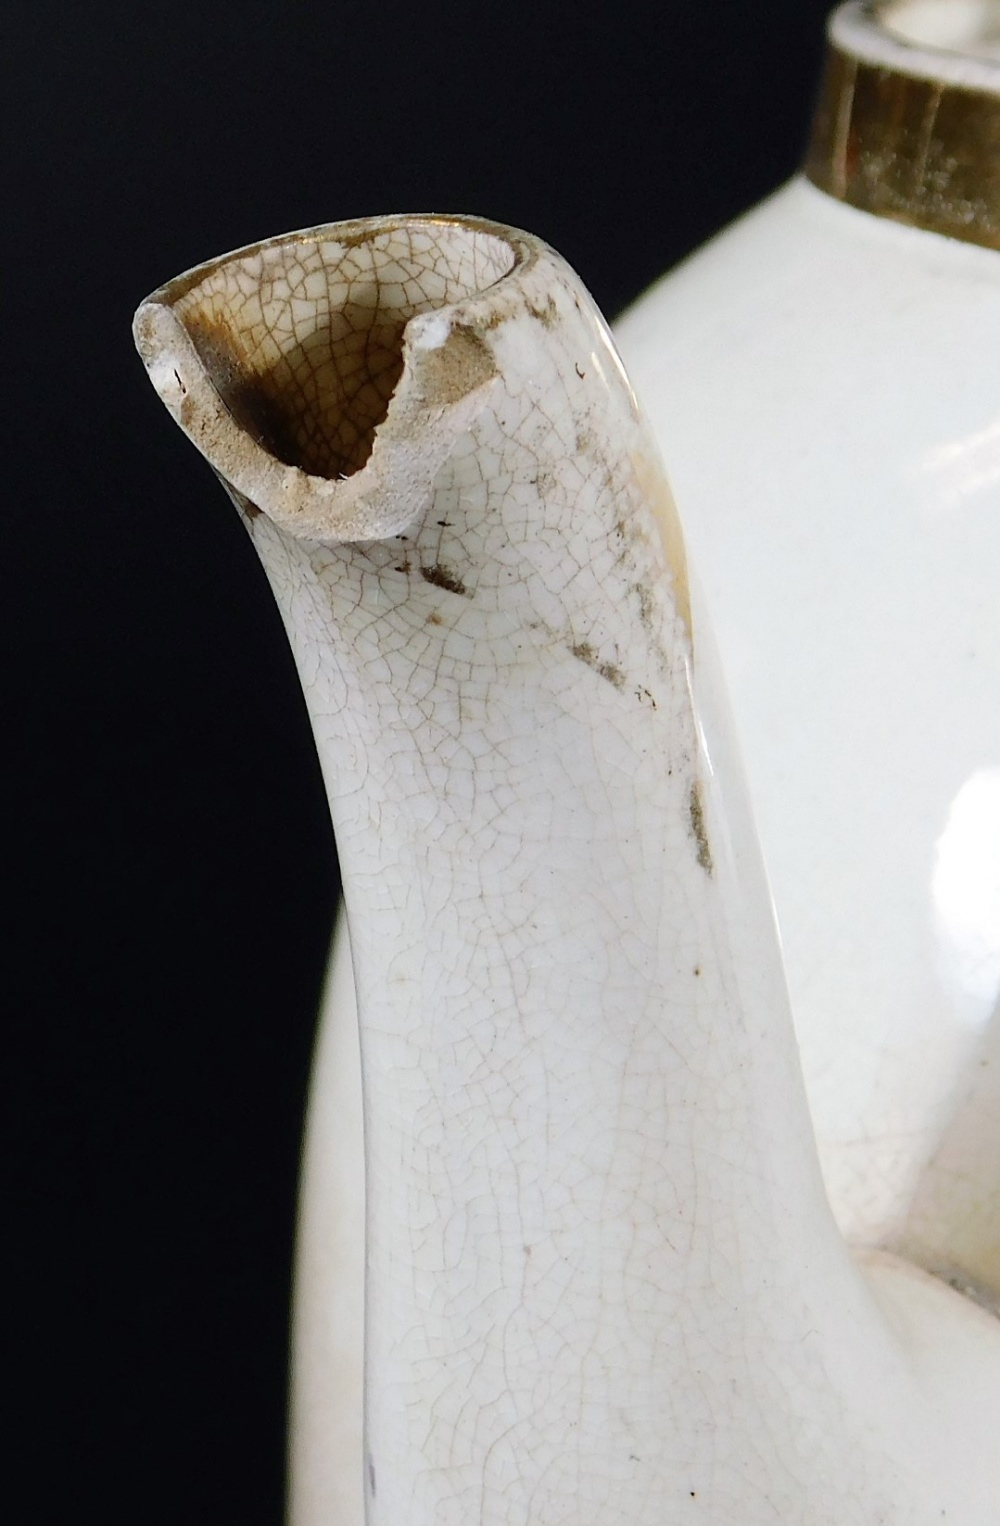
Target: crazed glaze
(603,1284)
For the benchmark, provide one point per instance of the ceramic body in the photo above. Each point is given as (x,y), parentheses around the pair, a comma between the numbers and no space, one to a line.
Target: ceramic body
(821,384)
(602,1283)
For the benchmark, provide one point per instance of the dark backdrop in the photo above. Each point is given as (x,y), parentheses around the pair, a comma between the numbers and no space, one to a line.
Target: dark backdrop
(170,871)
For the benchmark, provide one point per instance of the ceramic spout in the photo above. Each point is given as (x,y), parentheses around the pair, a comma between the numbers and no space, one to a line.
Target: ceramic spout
(602,1280)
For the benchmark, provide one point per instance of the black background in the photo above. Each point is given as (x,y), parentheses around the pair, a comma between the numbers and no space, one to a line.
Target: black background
(170,870)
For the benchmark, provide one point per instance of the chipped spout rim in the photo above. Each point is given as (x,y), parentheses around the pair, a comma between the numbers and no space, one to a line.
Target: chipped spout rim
(423,416)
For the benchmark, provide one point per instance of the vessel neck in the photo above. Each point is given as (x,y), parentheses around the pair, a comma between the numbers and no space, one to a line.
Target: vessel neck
(908,121)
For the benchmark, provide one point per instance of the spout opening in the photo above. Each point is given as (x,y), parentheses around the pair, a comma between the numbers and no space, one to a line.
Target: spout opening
(302,337)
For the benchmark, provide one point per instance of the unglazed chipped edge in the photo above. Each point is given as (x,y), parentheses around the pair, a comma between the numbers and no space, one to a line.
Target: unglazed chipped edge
(603,1282)
(446,379)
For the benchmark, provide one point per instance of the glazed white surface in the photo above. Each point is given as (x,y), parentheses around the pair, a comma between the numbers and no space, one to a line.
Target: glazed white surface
(603,1283)
(823,386)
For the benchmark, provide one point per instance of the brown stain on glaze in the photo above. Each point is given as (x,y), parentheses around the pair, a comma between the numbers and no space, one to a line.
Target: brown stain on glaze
(547,314)
(696,812)
(251,397)
(610,671)
(655,489)
(326,428)
(444,577)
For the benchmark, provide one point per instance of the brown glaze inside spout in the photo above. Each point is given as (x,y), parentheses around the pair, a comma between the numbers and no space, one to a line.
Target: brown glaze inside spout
(302,339)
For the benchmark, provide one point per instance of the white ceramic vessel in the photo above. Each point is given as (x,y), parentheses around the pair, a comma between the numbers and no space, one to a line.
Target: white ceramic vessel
(825,386)
(603,1282)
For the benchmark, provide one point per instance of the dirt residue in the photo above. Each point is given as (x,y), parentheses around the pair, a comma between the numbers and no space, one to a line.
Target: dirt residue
(584,652)
(696,811)
(444,577)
